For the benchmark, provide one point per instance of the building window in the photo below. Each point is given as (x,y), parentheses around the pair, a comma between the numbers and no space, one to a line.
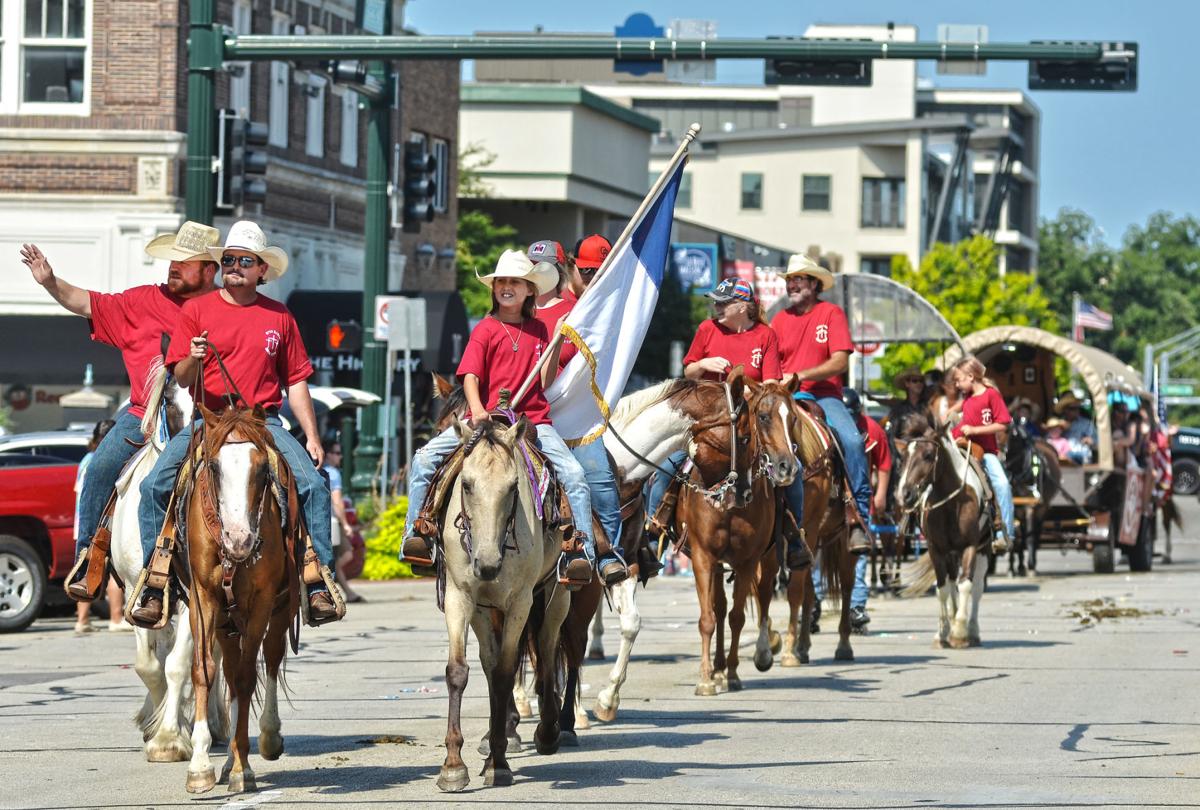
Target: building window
(314,121)
(876,265)
(349,150)
(883,202)
(441,188)
(752,191)
(239,72)
(44,55)
(277,120)
(816,192)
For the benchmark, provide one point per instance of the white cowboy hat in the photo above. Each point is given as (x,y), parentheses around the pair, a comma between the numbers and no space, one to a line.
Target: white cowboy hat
(247,236)
(192,242)
(515,264)
(801,265)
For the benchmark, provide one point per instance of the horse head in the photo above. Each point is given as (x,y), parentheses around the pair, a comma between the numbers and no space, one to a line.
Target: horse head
(489,488)
(770,416)
(239,476)
(917,445)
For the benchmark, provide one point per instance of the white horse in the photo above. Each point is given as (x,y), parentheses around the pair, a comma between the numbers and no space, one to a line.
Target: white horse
(164,657)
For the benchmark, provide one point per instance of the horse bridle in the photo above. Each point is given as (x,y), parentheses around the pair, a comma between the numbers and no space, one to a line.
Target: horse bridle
(463,521)
(922,502)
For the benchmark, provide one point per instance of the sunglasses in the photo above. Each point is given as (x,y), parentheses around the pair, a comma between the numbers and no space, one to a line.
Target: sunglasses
(587,272)
(243,261)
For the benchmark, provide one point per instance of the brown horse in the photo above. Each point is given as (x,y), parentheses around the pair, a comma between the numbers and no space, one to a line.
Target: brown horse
(826,523)
(244,589)
(940,486)
(761,458)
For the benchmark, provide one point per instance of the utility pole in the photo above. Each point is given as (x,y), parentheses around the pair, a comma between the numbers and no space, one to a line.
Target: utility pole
(205,54)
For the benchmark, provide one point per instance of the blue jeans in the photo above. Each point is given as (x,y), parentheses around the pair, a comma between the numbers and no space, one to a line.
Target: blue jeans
(602,485)
(842,424)
(310,485)
(103,470)
(1003,490)
(858,596)
(661,482)
(570,474)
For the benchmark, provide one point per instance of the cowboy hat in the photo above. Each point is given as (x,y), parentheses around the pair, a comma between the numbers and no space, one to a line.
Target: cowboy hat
(247,236)
(1025,402)
(801,265)
(1054,422)
(1066,401)
(191,242)
(910,373)
(515,264)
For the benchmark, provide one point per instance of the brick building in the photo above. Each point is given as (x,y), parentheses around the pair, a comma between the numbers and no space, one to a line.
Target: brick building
(93,101)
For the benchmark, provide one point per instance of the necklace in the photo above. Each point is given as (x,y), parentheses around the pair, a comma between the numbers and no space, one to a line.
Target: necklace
(515,343)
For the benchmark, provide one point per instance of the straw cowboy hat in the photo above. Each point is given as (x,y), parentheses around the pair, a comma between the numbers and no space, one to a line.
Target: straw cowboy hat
(192,242)
(515,264)
(247,236)
(1054,422)
(910,373)
(801,265)
(1066,401)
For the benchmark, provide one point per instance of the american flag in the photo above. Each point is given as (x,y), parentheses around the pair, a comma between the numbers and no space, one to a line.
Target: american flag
(1090,317)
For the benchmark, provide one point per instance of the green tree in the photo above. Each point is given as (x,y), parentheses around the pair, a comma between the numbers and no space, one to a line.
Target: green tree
(480,239)
(672,320)
(963,282)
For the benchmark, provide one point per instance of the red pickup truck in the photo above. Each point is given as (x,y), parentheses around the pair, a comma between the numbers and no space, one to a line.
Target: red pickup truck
(37,543)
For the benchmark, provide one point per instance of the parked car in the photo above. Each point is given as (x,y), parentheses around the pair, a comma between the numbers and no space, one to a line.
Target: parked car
(37,537)
(1185,460)
(68,446)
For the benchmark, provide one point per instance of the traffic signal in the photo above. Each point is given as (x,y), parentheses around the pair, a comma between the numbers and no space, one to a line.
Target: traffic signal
(240,168)
(1116,69)
(343,336)
(847,72)
(355,75)
(419,186)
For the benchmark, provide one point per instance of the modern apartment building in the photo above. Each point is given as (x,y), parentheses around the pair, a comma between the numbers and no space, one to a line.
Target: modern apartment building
(93,102)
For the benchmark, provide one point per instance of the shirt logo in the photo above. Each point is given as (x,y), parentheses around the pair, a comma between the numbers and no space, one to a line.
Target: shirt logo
(272,342)
(822,333)
(756,358)
(987,416)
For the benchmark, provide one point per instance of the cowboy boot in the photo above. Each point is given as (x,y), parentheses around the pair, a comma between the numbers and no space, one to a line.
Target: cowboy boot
(798,555)
(322,607)
(999,534)
(149,613)
(659,524)
(574,568)
(612,569)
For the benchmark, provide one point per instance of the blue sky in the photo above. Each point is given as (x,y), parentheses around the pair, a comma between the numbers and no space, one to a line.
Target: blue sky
(1118,156)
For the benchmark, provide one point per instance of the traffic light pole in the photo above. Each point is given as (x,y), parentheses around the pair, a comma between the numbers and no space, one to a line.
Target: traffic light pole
(205,53)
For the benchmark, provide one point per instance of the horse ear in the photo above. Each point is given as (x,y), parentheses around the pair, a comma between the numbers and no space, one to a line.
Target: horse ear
(205,413)
(463,429)
(736,379)
(793,384)
(260,414)
(441,386)
(510,436)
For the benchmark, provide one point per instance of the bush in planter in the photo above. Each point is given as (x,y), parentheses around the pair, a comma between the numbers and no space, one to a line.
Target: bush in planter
(383,544)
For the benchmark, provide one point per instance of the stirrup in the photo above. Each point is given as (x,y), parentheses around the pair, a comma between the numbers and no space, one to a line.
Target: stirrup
(135,598)
(417,550)
(620,575)
(564,562)
(339,604)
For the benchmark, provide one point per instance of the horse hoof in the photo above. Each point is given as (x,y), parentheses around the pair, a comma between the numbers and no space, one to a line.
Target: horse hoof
(581,721)
(843,653)
(595,654)
(604,714)
(548,748)
(485,747)
(270,747)
(776,642)
(242,782)
(735,683)
(201,782)
(568,738)
(974,641)
(524,709)
(514,744)
(706,689)
(789,660)
(941,644)
(720,680)
(958,643)
(452,780)
(1166,559)
(175,750)
(763,660)
(497,777)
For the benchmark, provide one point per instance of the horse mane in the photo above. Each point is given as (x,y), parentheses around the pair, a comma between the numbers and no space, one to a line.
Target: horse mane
(914,425)
(243,421)
(631,406)
(454,402)
(156,384)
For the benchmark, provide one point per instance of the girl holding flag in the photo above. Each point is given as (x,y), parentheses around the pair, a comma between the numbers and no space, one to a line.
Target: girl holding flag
(504,347)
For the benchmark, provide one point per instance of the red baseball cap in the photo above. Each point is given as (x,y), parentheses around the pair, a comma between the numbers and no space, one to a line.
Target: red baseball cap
(591,251)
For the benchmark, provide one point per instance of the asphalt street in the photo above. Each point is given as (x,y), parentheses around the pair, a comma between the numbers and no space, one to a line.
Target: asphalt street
(1050,712)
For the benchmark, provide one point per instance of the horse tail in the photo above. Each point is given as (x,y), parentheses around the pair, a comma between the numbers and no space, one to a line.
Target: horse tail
(1171,515)
(922,577)
(833,557)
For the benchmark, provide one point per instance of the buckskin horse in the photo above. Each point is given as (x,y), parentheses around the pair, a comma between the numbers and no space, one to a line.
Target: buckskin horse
(244,591)
(939,485)
(494,509)
(1033,468)
(164,657)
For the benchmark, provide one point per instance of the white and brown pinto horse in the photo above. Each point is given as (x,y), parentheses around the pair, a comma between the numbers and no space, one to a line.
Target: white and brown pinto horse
(940,487)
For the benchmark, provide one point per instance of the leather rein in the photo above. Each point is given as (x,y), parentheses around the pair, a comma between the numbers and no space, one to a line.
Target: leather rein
(923,504)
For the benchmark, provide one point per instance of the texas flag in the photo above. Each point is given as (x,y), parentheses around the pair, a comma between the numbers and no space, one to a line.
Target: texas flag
(610,320)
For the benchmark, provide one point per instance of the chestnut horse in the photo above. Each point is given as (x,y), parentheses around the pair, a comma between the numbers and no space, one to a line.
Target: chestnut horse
(944,490)
(244,590)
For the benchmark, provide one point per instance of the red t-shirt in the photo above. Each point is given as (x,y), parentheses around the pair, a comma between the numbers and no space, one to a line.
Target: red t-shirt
(987,408)
(549,317)
(134,322)
(756,349)
(491,358)
(808,340)
(259,344)
(879,454)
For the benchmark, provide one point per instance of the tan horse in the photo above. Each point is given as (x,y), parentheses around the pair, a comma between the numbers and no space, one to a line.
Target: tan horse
(740,535)
(244,591)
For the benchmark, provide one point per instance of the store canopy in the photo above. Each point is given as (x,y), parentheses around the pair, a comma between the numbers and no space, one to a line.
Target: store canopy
(884,311)
(1101,372)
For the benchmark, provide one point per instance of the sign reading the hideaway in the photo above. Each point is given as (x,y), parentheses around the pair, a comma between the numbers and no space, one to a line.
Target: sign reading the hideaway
(696,265)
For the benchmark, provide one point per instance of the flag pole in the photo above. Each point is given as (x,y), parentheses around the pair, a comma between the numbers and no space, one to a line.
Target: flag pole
(1077,332)
(626,235)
